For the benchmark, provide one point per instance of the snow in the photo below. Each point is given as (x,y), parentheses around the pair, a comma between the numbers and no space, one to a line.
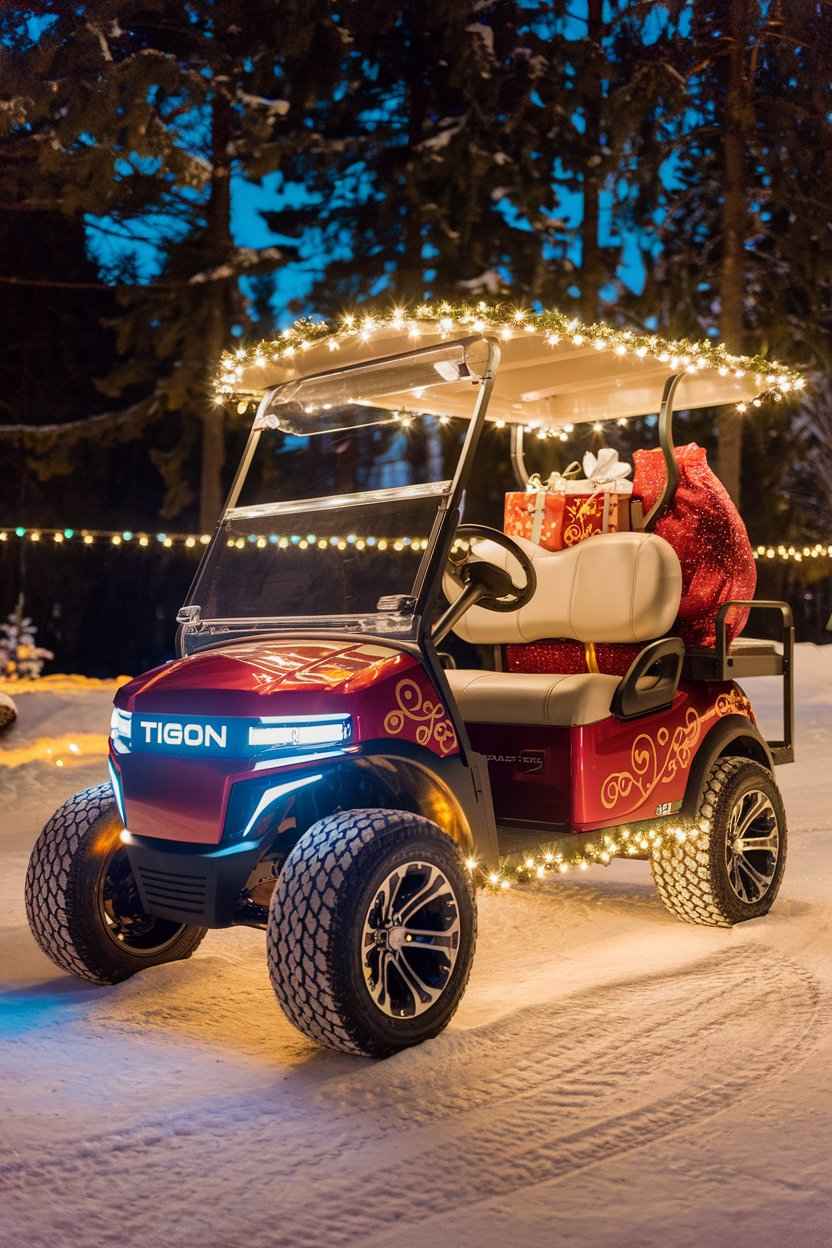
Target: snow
(486,36)
(273,108)
(489,281)
(613,1077)
(450,128)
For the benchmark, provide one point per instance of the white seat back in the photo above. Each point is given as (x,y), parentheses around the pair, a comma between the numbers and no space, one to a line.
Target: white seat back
(613,587)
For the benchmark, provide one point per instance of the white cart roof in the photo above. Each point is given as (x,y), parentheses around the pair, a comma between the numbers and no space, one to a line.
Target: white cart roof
(553,370)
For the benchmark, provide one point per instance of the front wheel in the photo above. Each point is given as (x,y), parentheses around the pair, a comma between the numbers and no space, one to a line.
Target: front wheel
(730,866)
(372,930)
(82,901)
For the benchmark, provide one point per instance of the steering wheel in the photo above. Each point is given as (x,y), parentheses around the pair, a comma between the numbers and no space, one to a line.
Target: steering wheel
(483,584)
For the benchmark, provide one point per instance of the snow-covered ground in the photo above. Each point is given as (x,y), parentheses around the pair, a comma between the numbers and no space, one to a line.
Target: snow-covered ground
(612,1078)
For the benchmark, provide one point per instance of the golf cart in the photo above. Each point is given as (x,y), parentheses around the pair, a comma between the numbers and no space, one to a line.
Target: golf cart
(339,755)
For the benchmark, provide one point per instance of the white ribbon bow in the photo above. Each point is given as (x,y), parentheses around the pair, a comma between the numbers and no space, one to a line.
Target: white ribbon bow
(605,466)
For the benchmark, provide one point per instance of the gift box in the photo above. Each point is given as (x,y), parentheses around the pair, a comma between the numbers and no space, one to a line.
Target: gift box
(567,508)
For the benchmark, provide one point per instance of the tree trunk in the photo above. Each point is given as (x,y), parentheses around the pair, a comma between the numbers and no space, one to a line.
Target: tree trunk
(591,269)
(220,294)
(734,229)
(411,273)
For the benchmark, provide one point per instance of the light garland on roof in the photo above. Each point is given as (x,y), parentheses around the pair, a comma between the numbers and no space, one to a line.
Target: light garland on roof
(125,539)
(775,380)
(546,863)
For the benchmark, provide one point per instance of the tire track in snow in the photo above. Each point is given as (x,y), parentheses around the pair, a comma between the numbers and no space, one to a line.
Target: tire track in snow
(377,1091)
(535,1097)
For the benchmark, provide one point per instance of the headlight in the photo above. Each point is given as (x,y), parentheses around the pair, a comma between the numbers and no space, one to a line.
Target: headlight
(290,732)
(118,792)
(121,728)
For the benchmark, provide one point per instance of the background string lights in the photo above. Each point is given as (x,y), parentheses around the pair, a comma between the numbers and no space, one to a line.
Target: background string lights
(125,539)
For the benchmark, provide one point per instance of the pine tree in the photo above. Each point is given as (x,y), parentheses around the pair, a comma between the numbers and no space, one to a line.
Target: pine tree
(426,170)
(146,112)
(745,250)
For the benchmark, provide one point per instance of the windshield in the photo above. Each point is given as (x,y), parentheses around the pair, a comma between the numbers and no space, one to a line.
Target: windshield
(339,496)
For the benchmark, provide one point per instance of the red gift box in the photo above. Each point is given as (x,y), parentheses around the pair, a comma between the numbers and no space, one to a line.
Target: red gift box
(564,511)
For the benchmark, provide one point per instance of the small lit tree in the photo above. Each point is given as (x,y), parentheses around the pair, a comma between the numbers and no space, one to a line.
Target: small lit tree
(21,658)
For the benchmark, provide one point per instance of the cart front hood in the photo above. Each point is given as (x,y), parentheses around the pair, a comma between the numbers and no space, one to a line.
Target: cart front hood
(242,679)
(187,734)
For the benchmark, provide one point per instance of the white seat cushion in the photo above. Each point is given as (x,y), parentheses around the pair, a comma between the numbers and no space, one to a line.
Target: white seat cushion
(524,698)
(614,587)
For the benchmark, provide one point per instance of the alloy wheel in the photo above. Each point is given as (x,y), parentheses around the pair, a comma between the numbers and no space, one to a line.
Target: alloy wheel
(410,940)
(752,846)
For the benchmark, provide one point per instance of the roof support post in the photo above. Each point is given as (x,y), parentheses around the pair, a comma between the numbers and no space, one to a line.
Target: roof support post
(666,443)
(518,461)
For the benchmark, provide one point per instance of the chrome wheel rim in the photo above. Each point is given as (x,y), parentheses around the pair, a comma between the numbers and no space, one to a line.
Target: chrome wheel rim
(752,846)
(410,940)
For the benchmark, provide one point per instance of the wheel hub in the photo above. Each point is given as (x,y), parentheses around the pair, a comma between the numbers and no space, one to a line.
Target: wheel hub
(752,846)
(410,940)
(123,916)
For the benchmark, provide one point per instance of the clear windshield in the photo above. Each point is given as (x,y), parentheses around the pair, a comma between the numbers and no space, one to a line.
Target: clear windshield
(334,515)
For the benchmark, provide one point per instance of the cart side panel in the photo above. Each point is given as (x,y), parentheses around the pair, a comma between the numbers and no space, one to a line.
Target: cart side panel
(625,771)
(529,770)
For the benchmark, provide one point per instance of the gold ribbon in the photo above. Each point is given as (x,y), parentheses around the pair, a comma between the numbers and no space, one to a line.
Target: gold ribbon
(591,658)
(536,482)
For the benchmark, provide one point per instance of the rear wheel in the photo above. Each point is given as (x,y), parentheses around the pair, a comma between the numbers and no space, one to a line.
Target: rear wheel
(729,868)
(82,901)
(372,931)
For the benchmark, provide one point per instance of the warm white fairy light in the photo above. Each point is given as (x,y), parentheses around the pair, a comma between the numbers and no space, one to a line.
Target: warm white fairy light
(124,539)
(638,842)
(776,378)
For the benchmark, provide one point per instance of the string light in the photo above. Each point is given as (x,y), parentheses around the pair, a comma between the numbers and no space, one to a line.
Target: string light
(561,858)
(124,539)
(773,379)
(793,554)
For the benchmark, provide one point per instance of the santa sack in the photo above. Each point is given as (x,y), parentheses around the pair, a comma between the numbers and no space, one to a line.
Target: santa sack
(705,529)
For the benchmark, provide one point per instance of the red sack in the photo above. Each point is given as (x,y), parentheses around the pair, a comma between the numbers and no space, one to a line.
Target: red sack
(705,529)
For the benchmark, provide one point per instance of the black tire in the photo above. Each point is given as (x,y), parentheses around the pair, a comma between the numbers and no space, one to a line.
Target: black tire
(78,874)
(705,879)
(329,890)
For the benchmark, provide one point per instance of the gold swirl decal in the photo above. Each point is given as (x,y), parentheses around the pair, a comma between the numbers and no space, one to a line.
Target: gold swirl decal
(429,716)
(578,527)
(652,762)
(734,702)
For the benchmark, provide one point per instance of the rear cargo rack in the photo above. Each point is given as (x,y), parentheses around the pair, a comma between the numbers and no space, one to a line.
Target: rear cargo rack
(750,656)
